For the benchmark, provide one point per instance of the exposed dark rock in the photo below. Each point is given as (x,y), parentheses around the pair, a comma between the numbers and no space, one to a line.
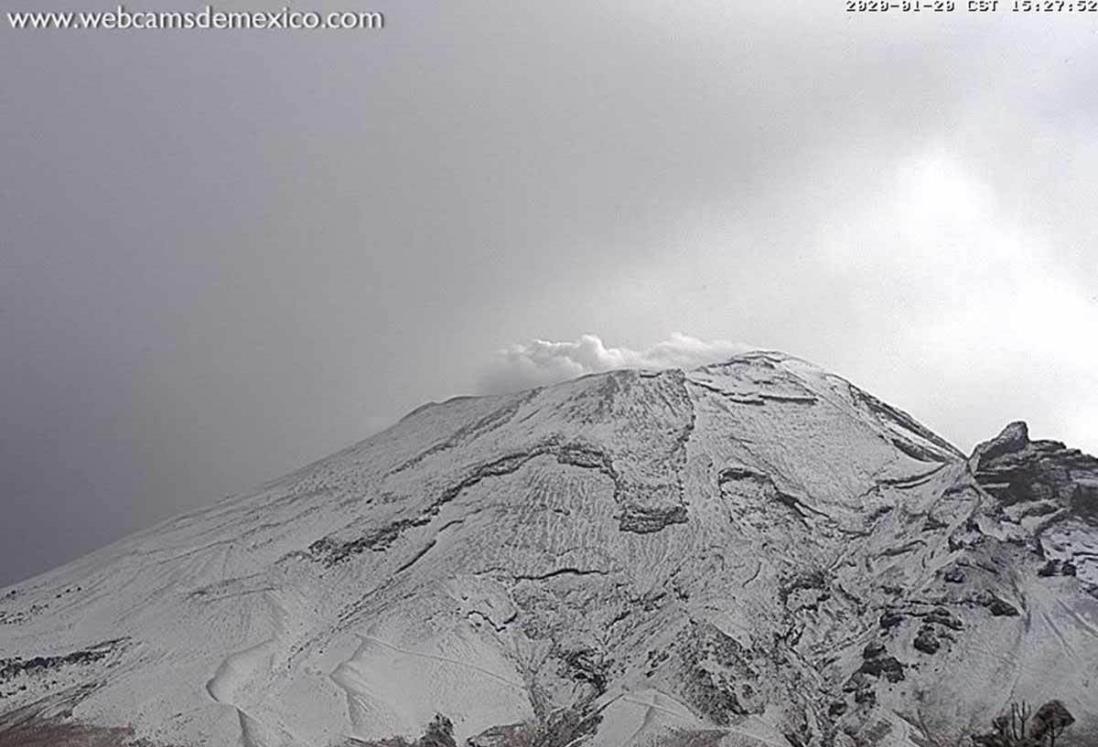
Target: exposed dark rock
(718,674)
(887,413)
(331,551)
(890,619)
(645,519)
(709,694)
(1044,508)
(499,736)
(917,451)
(1019,728)
(811,580)
(942,616)
(1014,470)
(558,572)
(726,651)
(587,665)
(732,474)
(926,640)
(58,733)
(1000,607)
(655,659)
(884,666)
(588,457)
(567,727)
(873,649)
(13,667)
(762,486)
(933,524)
(439,733)
(865,697)
(1012,439)
(836,709)
(1049,720)
(954,576)
(694,738)
(1057,568)
(857,681)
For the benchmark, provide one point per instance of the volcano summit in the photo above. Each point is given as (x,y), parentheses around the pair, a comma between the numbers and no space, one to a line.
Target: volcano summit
(750,553)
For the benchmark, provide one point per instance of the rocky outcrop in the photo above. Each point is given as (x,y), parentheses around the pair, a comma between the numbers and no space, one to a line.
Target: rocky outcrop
(560,729)
(1050,491)
(647,519)
(1016,470)
(1050,721)
(439,733)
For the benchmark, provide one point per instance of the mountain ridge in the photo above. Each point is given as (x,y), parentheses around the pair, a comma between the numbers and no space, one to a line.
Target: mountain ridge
(752,552)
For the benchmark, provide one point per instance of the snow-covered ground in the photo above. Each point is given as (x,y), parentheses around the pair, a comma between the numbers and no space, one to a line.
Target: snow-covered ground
(750,553)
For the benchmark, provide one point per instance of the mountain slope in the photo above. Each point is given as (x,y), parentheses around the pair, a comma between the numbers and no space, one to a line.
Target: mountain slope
(751,553)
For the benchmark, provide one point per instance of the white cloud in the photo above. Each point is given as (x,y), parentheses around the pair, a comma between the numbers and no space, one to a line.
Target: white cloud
(541,362)
(978,319)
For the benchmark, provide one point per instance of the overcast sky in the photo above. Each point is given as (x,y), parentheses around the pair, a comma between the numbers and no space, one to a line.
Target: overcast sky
(225,254)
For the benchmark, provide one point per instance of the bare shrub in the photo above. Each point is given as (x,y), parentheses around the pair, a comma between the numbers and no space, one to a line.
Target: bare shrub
(1021,727)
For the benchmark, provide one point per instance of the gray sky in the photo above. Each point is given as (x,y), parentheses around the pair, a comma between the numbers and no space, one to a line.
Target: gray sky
(225,254)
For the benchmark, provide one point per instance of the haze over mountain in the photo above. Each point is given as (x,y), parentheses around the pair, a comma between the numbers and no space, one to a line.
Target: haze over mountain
(228,253)
(754,552)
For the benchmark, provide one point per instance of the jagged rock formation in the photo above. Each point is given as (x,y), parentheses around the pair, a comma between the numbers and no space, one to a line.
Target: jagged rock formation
(750,553)
(1049,489)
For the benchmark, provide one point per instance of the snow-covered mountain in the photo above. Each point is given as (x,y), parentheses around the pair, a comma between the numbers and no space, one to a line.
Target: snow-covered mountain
(750,553)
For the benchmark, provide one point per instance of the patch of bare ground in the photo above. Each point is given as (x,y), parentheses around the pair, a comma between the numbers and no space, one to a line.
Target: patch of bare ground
(701,738)
(62,734)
